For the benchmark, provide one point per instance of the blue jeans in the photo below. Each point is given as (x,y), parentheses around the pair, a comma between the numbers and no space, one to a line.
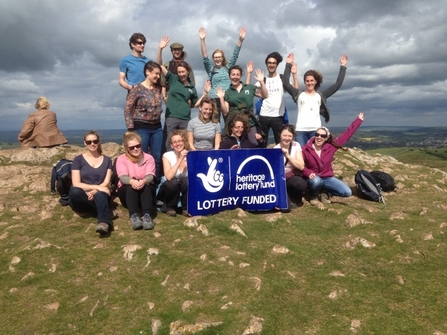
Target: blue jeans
(153,139)
(302,137)
(331,185)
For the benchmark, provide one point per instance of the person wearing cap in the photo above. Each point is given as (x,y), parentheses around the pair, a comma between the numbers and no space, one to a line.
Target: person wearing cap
(178,55)
(131,66)
(271,113)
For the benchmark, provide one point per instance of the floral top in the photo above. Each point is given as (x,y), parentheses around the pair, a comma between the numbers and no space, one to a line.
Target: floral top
(143,105)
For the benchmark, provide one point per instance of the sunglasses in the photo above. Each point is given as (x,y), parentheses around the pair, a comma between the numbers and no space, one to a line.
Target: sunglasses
(92,142)
(140,43)
(133,147)
(321,135)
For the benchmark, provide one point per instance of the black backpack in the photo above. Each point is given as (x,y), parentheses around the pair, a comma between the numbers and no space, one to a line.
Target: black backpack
(367,185)
(61,180)
(385,180)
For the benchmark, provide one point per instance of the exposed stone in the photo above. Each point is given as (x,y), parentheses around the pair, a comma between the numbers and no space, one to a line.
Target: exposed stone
(278,249)
(254,327)
(191,223)
(178,328)
(202,228)
(155,326)
(400,280)
(129,250)
(186,304)
(237,229)
(355,325)
(336,274)
(52,307)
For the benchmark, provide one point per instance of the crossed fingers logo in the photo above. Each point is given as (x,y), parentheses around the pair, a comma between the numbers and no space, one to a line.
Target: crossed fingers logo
(213,180)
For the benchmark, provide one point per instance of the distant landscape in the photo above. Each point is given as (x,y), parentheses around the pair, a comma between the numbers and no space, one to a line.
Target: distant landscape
(366,138)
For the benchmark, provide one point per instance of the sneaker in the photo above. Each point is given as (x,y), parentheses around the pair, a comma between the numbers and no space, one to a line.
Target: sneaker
(102,228)
(136,222)
(147,222)
(324,198)
(185,213)
(314,201)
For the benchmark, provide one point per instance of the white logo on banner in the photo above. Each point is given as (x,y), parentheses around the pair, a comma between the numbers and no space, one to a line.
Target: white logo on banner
(213,180)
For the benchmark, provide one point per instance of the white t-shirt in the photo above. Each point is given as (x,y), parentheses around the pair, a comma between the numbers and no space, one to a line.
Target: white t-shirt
(273,106)
(308,112)
(295,148)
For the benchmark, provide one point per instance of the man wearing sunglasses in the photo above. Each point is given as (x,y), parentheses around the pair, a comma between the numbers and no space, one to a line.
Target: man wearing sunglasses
(131,66)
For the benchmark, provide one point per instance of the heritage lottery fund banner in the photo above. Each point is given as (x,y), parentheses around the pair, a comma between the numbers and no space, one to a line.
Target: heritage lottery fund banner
(252,179)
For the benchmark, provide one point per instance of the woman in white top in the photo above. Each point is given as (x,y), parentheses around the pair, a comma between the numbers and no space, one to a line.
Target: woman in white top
(293,166)
(176,174)
(311,102)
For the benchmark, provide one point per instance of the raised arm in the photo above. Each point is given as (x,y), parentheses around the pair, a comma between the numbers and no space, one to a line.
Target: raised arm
(206,90)
(294,71)
(286,78)
(242,33)
(163,44)
(341,77)
(202,35)
(260,77)
(223,104)
(250,68)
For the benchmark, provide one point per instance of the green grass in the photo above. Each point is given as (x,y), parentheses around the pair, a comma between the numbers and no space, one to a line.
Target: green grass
(293,297)
(431,157)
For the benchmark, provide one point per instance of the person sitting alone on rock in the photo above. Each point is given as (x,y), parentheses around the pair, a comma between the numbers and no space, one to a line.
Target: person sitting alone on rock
(40,128)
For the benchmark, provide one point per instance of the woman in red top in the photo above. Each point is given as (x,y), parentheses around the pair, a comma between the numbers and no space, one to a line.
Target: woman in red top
(318,155)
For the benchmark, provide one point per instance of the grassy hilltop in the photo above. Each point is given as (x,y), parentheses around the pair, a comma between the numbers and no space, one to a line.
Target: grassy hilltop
(352,267)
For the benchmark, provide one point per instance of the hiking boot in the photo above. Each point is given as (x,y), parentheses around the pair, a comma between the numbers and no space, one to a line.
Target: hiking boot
(324,198)
(314,201)
(147,222)
(102,228)
(136,222)
(171,212)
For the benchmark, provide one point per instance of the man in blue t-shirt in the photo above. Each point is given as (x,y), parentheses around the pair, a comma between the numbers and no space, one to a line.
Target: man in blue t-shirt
(131,66)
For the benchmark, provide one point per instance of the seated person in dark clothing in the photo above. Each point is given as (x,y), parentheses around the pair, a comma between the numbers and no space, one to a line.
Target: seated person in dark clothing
(237,134)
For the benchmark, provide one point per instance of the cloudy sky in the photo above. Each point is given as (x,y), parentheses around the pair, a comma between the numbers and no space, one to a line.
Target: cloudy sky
(69,51)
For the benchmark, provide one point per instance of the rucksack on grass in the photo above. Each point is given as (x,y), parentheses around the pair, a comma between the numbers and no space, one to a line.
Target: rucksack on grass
(385,180)
(368,186)
(61,180)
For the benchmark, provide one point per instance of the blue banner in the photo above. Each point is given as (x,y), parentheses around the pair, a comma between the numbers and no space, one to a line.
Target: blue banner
(252,179)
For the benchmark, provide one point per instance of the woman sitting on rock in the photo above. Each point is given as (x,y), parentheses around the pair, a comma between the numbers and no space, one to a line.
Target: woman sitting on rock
(90,174)
(293,166)
(136,188)
(176,175)
(40,128)
(318,155)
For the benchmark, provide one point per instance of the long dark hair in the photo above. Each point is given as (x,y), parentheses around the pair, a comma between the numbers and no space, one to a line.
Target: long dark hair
(330,139)
(317,76)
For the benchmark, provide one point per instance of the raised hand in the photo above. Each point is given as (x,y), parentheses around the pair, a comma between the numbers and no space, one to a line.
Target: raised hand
(344,60)
(259,76)
(220,92)
(290,58)
(207,86)
(361,116)
(242,33)
(294,69)
(164,42)
(250,67)
(202,33)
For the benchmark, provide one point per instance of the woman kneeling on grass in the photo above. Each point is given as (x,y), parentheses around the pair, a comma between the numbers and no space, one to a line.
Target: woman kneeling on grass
(318,155)
(293,166)
(136,188)
(90,175)
(176,174)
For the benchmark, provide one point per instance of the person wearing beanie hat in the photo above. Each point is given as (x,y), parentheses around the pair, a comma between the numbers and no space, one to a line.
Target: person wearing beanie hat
(272,111)
(131,66)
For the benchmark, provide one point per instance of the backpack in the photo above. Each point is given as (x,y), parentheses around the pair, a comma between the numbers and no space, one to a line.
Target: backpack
(385,180)
(259,105)
(367,185)
(61,180)
(213,72)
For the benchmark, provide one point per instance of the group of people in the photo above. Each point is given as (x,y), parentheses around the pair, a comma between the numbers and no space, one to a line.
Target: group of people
(154,153)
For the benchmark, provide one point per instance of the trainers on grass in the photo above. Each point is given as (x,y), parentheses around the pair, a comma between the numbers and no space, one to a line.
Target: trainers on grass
(136,222)
(147,222)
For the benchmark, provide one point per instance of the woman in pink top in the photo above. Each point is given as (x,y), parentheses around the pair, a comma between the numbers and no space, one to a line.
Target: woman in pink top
(136,188)
(318,155)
